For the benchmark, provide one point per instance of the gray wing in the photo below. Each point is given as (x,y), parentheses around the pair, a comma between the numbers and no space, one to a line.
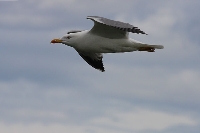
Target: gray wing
(112,29)
(93,59)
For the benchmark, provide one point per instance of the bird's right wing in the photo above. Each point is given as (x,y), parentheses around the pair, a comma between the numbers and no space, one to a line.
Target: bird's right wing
(93,59)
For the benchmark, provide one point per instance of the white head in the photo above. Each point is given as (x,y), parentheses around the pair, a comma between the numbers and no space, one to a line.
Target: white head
(72,38)
(67,39)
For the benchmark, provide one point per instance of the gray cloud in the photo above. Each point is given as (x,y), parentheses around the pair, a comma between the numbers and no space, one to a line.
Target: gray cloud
(50,84)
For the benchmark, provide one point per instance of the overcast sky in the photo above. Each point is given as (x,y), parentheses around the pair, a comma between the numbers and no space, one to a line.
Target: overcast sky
(46,88)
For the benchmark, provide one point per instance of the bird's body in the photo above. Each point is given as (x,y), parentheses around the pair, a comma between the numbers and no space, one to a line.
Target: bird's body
(107,36)
(92,43)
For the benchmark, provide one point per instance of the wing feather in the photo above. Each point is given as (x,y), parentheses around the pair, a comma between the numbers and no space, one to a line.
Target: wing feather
(116,27)
(93,59)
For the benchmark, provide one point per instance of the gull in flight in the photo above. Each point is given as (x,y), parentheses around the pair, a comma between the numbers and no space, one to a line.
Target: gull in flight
(106,36)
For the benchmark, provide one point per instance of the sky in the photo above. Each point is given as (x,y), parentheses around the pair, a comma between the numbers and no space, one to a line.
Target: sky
(48,88)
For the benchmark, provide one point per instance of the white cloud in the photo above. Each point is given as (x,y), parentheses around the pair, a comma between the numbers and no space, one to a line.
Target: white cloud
(147,83)
(39,128)
(25,113)
(112,122)
(52,128)
(142,119)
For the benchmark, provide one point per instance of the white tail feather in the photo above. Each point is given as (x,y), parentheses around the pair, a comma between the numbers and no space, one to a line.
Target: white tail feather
(157,46)
(153,46)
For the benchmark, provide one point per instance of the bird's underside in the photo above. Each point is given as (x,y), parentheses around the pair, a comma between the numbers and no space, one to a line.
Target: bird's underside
(97,63)
(95,59)
(109,29)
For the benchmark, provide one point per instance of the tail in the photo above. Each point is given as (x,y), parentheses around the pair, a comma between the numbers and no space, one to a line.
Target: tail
(157,46)
(149,48)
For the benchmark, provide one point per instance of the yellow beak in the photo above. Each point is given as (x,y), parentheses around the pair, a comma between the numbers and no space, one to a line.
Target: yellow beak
(57,40)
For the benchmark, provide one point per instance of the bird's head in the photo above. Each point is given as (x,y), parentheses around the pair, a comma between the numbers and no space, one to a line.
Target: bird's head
(66,39)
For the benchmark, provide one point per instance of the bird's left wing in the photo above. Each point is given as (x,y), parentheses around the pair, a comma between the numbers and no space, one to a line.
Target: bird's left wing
(93,59)
(112,29)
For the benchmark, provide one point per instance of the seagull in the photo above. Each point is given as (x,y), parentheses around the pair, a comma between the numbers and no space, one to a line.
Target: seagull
(106,36)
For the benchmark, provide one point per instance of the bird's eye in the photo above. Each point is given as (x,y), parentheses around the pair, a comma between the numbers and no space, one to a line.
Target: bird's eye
(68,37)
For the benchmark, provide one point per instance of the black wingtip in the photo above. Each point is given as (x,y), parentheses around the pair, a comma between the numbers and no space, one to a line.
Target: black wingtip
(94,60)
(102,70)
(100,67)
